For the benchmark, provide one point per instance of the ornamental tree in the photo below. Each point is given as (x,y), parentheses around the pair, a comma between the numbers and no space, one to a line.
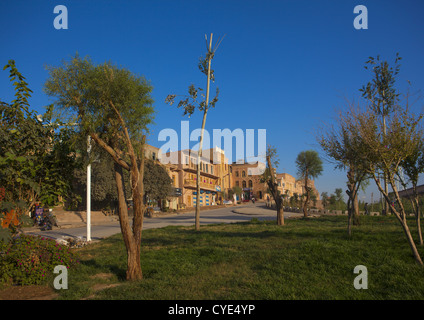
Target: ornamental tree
(114,107)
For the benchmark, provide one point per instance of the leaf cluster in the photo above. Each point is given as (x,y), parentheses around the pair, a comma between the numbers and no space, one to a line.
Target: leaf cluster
(381,91)
(106,99)
(35,155)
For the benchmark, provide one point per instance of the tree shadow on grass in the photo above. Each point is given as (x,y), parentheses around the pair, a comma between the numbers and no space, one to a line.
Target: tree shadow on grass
(113,268)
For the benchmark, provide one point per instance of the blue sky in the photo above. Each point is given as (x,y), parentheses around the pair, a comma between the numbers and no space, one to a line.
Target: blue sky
(283,66)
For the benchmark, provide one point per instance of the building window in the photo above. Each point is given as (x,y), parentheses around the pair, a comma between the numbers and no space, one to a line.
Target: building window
(237,184)
(243,173)
(211,169)
(237,174)
(207,168)
(250,184)
(244,184)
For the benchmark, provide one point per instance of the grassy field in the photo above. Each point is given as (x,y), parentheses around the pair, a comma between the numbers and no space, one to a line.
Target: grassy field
(305,259)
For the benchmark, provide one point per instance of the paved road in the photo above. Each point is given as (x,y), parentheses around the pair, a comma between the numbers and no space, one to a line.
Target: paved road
(222,215)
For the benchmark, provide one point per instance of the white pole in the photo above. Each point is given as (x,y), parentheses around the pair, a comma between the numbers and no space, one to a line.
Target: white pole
(88,192)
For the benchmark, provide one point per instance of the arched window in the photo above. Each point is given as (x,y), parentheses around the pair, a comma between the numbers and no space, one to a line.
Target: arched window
(244,183)
(243,173)
(250,184)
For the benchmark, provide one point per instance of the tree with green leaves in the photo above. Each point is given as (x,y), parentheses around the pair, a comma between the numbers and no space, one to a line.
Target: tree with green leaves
(114,107)
(190,103)
(324,199)
(386,153)
(382,94)
(157,183)
(339,145)
(36,157)
(309,166)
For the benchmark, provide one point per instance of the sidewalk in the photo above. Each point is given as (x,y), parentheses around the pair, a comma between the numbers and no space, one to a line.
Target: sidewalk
(265,211)
(74,219)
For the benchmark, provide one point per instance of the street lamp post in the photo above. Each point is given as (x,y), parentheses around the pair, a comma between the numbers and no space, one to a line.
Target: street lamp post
(89,191)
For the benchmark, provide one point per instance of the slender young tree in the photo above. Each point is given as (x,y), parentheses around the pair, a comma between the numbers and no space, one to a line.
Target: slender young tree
(309,166)
(190,103)
(413,166)
(340,147)
(114,107)
(382,95)
(386,155)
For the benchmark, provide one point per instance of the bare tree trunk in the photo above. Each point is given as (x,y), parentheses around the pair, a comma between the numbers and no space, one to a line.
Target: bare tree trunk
(349,216)
(274,193)
(132,246)
(305,205)
(401,216)
(280,214)
(417,212)
(355,205)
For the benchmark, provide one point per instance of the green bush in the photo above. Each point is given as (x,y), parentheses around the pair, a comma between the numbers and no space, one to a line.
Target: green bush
(30,260)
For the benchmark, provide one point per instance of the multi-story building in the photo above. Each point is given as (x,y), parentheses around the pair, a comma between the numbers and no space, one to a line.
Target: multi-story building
(184,174)
(288,186)
(218,177)
(222,169)
(247,176)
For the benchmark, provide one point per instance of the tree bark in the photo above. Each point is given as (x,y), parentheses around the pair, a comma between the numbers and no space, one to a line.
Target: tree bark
(280,216)
(274,192)
(417,212)
(349,216)
(133,247)
(305,205)
(401,216)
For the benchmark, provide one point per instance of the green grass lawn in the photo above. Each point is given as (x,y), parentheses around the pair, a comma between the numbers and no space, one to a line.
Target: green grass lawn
(305,259)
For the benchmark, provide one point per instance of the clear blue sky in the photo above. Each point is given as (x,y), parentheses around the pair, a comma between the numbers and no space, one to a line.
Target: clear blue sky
(283,66)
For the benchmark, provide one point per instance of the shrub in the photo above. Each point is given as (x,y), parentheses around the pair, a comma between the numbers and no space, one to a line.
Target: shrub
(30,260)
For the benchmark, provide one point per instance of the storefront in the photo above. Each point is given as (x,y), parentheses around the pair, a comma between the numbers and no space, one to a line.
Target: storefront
(206,198)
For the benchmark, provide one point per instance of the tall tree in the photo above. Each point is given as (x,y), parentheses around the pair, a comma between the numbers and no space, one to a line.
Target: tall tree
(309,166)
(114,107)
(382,95)
(190,103)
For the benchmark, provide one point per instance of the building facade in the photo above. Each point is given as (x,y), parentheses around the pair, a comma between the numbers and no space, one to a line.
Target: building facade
(217,177)
(248,178)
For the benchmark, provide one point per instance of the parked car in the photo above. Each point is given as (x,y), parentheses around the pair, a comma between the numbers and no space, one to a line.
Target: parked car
(227,202)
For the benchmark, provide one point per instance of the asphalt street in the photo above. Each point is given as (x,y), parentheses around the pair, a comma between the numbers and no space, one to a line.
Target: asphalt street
(214,216)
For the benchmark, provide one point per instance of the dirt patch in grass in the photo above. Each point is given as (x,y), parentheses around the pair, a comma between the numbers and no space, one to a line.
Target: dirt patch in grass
(28,293)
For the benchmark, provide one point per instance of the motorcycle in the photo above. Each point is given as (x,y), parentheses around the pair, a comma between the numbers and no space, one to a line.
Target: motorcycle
(44,219)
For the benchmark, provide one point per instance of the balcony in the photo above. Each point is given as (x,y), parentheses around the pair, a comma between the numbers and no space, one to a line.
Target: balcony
(189,168)
(191,183)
